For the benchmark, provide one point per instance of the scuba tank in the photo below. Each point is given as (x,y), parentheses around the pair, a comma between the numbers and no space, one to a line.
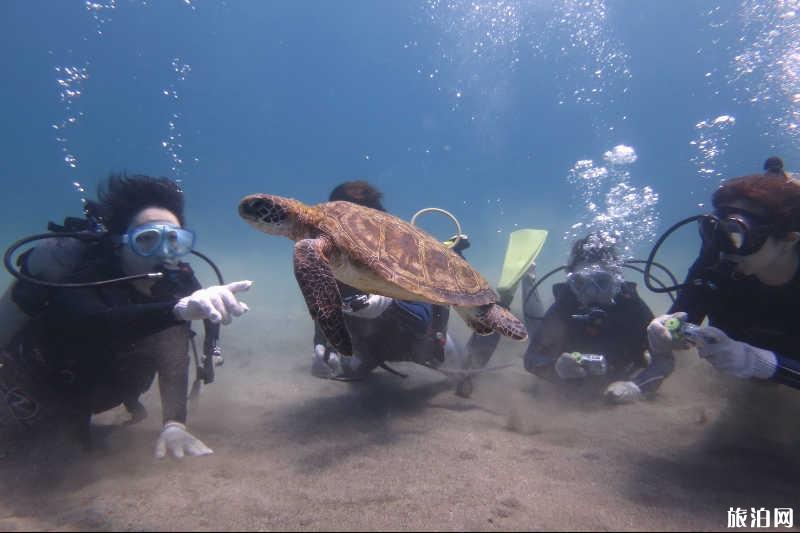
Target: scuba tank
(12,318)
(51,261)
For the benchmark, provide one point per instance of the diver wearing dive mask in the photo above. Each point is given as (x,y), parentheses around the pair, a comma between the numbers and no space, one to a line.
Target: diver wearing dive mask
(100,338)
(595,284)
(153,245)
(745,281)
(161,239)
(735,231)
(595,331)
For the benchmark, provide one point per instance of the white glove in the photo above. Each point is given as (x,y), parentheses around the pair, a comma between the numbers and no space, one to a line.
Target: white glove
(333,365)
(325,364)
(178,441)
(217,303)
(734,357)
(623,392)
(660,338)
(567,367)
(373,307)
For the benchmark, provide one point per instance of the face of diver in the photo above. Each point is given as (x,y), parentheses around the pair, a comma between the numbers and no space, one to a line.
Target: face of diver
(595,284)
(133,263)
(776,255)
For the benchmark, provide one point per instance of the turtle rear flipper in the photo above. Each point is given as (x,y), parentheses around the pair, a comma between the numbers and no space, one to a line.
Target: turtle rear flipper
(318,285)
(493,317)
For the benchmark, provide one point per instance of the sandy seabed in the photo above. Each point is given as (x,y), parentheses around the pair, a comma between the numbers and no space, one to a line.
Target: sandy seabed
(296,452)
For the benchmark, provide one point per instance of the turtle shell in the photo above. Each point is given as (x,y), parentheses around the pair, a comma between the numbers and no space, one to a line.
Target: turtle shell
(404,255)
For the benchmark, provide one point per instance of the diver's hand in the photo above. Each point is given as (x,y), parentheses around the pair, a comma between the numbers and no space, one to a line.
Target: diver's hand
(217,303)
(531,272)
(175,439)
(366,305)
(325,363)
(621,392)
(567,367)
(734,357)
(660,338)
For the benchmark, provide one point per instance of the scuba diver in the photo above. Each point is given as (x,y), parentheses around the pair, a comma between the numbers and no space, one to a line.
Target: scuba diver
(383,329)
(100,307)
(745,281)
(596,330)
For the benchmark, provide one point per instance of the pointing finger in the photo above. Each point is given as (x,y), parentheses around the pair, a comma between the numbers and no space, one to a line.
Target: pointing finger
(239,286)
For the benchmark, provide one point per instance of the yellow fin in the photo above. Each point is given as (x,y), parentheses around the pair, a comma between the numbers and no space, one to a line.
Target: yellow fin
(524,246)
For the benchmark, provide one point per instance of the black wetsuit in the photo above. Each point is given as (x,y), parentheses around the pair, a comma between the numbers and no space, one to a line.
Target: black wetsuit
(91,349)
(617,331)
(403,332)
(747,311)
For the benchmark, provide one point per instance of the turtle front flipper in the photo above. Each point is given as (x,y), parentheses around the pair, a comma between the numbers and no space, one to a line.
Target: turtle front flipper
(318,285)
(492,317)
(469,316)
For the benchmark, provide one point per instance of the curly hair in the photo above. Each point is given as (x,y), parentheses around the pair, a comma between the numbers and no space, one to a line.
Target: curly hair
(594,248)
(778,195)
(121,197)
(358,192)
(773,166)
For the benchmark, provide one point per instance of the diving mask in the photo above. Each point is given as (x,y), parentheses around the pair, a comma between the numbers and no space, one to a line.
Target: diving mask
(595,284)
(735,232)
(160,239)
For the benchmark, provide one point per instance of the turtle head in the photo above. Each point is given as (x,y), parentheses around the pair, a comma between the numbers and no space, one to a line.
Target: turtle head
(275,215)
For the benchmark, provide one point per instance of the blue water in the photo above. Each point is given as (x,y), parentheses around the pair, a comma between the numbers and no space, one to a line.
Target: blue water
(478,107)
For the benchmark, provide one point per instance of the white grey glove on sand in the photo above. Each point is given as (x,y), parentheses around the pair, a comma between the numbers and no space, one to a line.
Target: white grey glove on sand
(175,439)
(621,392)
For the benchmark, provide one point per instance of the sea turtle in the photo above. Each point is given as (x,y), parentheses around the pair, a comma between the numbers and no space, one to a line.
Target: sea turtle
(377,253)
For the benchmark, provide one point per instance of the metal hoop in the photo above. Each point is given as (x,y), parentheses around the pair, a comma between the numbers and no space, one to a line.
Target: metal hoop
(447,214)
